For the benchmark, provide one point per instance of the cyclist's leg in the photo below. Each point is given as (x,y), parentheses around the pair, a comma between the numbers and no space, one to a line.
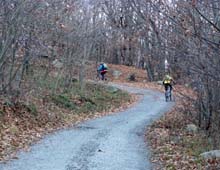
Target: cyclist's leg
(165,88)
(167,91)
(170,92)
(102,76)
(105,76)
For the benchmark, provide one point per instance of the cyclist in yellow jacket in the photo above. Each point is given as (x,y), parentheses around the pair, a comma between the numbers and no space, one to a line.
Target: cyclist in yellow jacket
(167,82)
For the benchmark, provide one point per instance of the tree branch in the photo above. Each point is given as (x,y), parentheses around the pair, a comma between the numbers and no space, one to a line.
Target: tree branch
(210,22)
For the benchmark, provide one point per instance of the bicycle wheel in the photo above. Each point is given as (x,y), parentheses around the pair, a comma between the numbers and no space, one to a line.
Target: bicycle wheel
(168,94)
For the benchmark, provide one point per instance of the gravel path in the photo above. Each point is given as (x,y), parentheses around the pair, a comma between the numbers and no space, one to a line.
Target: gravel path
(114,142)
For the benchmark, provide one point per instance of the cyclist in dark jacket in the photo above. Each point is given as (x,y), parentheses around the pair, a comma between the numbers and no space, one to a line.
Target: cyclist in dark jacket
(102,70)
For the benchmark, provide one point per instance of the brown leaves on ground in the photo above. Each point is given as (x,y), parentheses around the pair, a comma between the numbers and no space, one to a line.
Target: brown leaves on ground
(175,148)
(19,128)
(172,146)
(140,74)
(21,125)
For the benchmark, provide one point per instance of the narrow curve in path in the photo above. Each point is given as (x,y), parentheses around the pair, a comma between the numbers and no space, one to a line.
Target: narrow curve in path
(114,142)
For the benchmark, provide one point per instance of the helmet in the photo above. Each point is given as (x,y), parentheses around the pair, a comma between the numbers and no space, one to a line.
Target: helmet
(168,76)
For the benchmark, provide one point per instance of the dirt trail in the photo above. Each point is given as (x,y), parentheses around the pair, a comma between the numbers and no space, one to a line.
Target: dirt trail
(109,143)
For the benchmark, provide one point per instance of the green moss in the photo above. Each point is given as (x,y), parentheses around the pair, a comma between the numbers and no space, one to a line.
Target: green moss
(94,97)
(63,101)
(32,109)
(196,145)
(170,167)
(1,112)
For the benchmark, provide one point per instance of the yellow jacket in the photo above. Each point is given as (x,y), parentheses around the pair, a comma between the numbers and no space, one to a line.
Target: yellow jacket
(167,80)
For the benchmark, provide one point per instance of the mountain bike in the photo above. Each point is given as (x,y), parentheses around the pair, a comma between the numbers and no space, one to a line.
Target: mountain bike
(99,77)
(168,95)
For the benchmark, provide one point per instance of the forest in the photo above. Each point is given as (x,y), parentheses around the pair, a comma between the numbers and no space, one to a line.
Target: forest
(140,33)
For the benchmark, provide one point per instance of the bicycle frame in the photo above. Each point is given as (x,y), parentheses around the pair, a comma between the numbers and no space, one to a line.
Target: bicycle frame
(99,76)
